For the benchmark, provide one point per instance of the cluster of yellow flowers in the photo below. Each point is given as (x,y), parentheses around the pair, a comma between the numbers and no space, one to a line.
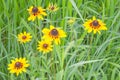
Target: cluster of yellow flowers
(50,36)
(39,12)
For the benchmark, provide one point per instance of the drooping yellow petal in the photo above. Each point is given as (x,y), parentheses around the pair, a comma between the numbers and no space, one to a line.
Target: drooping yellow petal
(89,30)
(32,17)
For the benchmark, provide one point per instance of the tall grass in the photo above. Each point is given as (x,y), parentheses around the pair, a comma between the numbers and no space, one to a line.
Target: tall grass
(81,56)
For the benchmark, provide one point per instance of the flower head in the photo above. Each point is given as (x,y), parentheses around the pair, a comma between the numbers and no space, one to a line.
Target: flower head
(53,34)
(44,46)
(34,12)
(71,21)
(18,65)
(24,37)
(52,7)
(94,25)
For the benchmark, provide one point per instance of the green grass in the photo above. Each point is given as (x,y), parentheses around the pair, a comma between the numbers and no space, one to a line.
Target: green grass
(81,56)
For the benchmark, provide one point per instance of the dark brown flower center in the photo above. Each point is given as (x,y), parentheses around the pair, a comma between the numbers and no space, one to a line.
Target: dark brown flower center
(18,65)
(45,45)
(34,9)
(95,23)
(24,37)
(54,32)
(52,7)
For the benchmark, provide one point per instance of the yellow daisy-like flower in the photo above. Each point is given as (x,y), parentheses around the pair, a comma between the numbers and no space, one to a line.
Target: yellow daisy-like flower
(94,25)
(18,66)
(53,34)
(71,21)
(52,7)
(44,46)
(24,37)
(34,12)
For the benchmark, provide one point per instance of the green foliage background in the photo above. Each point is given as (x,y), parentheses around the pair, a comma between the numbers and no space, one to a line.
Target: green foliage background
(81,56)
